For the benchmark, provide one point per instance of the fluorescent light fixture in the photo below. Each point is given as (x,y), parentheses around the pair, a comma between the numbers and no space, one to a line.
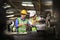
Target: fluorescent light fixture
(28,5)
(10,16)
(24,4)
(9,12)
(13,18)
(7,6)
(48,3)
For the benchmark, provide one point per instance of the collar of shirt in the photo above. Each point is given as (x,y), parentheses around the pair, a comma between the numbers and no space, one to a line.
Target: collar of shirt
(22,18)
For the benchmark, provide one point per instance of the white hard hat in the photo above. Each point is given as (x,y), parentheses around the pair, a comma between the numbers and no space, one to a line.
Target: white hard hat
(32,13)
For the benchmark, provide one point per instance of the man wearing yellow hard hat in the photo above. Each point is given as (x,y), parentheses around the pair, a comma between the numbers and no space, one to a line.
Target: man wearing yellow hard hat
(21,22)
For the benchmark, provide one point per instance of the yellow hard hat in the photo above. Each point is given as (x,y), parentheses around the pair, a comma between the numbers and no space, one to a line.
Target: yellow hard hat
(24,12)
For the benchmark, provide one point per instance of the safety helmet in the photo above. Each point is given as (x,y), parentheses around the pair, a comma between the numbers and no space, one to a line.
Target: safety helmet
(24,11)
(32,14)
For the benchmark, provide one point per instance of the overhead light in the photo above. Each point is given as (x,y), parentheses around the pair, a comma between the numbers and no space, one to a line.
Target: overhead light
(9,12)
(10,16)
(7,6)
(24,4)
(48,3)
(27,4)
(13,18)
(31,5)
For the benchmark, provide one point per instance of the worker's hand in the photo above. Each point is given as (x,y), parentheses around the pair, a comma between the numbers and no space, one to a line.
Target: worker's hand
(26,24)
(20,24)
(35,21)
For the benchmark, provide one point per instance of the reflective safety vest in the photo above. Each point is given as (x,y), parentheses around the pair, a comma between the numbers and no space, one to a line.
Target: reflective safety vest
(34,28)
(22,28)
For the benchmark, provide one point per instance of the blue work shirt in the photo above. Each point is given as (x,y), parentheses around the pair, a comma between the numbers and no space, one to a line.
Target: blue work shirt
(16,22)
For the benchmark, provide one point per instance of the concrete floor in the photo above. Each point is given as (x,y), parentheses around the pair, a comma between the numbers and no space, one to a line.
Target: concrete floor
(32,36)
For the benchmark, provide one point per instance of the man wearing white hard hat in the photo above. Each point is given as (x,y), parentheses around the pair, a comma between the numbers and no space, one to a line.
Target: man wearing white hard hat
(37,24)
(31,20)
(34,21)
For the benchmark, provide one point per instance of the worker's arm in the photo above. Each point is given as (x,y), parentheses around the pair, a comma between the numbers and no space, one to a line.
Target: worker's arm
(29,23)
(39,19)
(17,23)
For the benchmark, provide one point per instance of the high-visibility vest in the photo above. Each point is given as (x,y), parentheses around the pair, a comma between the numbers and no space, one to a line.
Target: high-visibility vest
(34,28)
(22,28)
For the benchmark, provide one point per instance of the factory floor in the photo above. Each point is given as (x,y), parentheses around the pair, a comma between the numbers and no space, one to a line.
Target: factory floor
(32,36)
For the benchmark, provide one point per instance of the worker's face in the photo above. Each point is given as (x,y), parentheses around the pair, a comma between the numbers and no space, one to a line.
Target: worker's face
(34,17)
(23,16)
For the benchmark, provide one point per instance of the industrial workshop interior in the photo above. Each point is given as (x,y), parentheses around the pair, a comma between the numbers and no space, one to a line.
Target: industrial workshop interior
(20,15)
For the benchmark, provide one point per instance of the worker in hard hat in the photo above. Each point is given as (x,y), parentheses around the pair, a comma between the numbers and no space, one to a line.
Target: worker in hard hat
(21,22)
(35,21)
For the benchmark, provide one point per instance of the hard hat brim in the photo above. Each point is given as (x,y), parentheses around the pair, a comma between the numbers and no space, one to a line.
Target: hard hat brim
(23,14)
(33,16)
